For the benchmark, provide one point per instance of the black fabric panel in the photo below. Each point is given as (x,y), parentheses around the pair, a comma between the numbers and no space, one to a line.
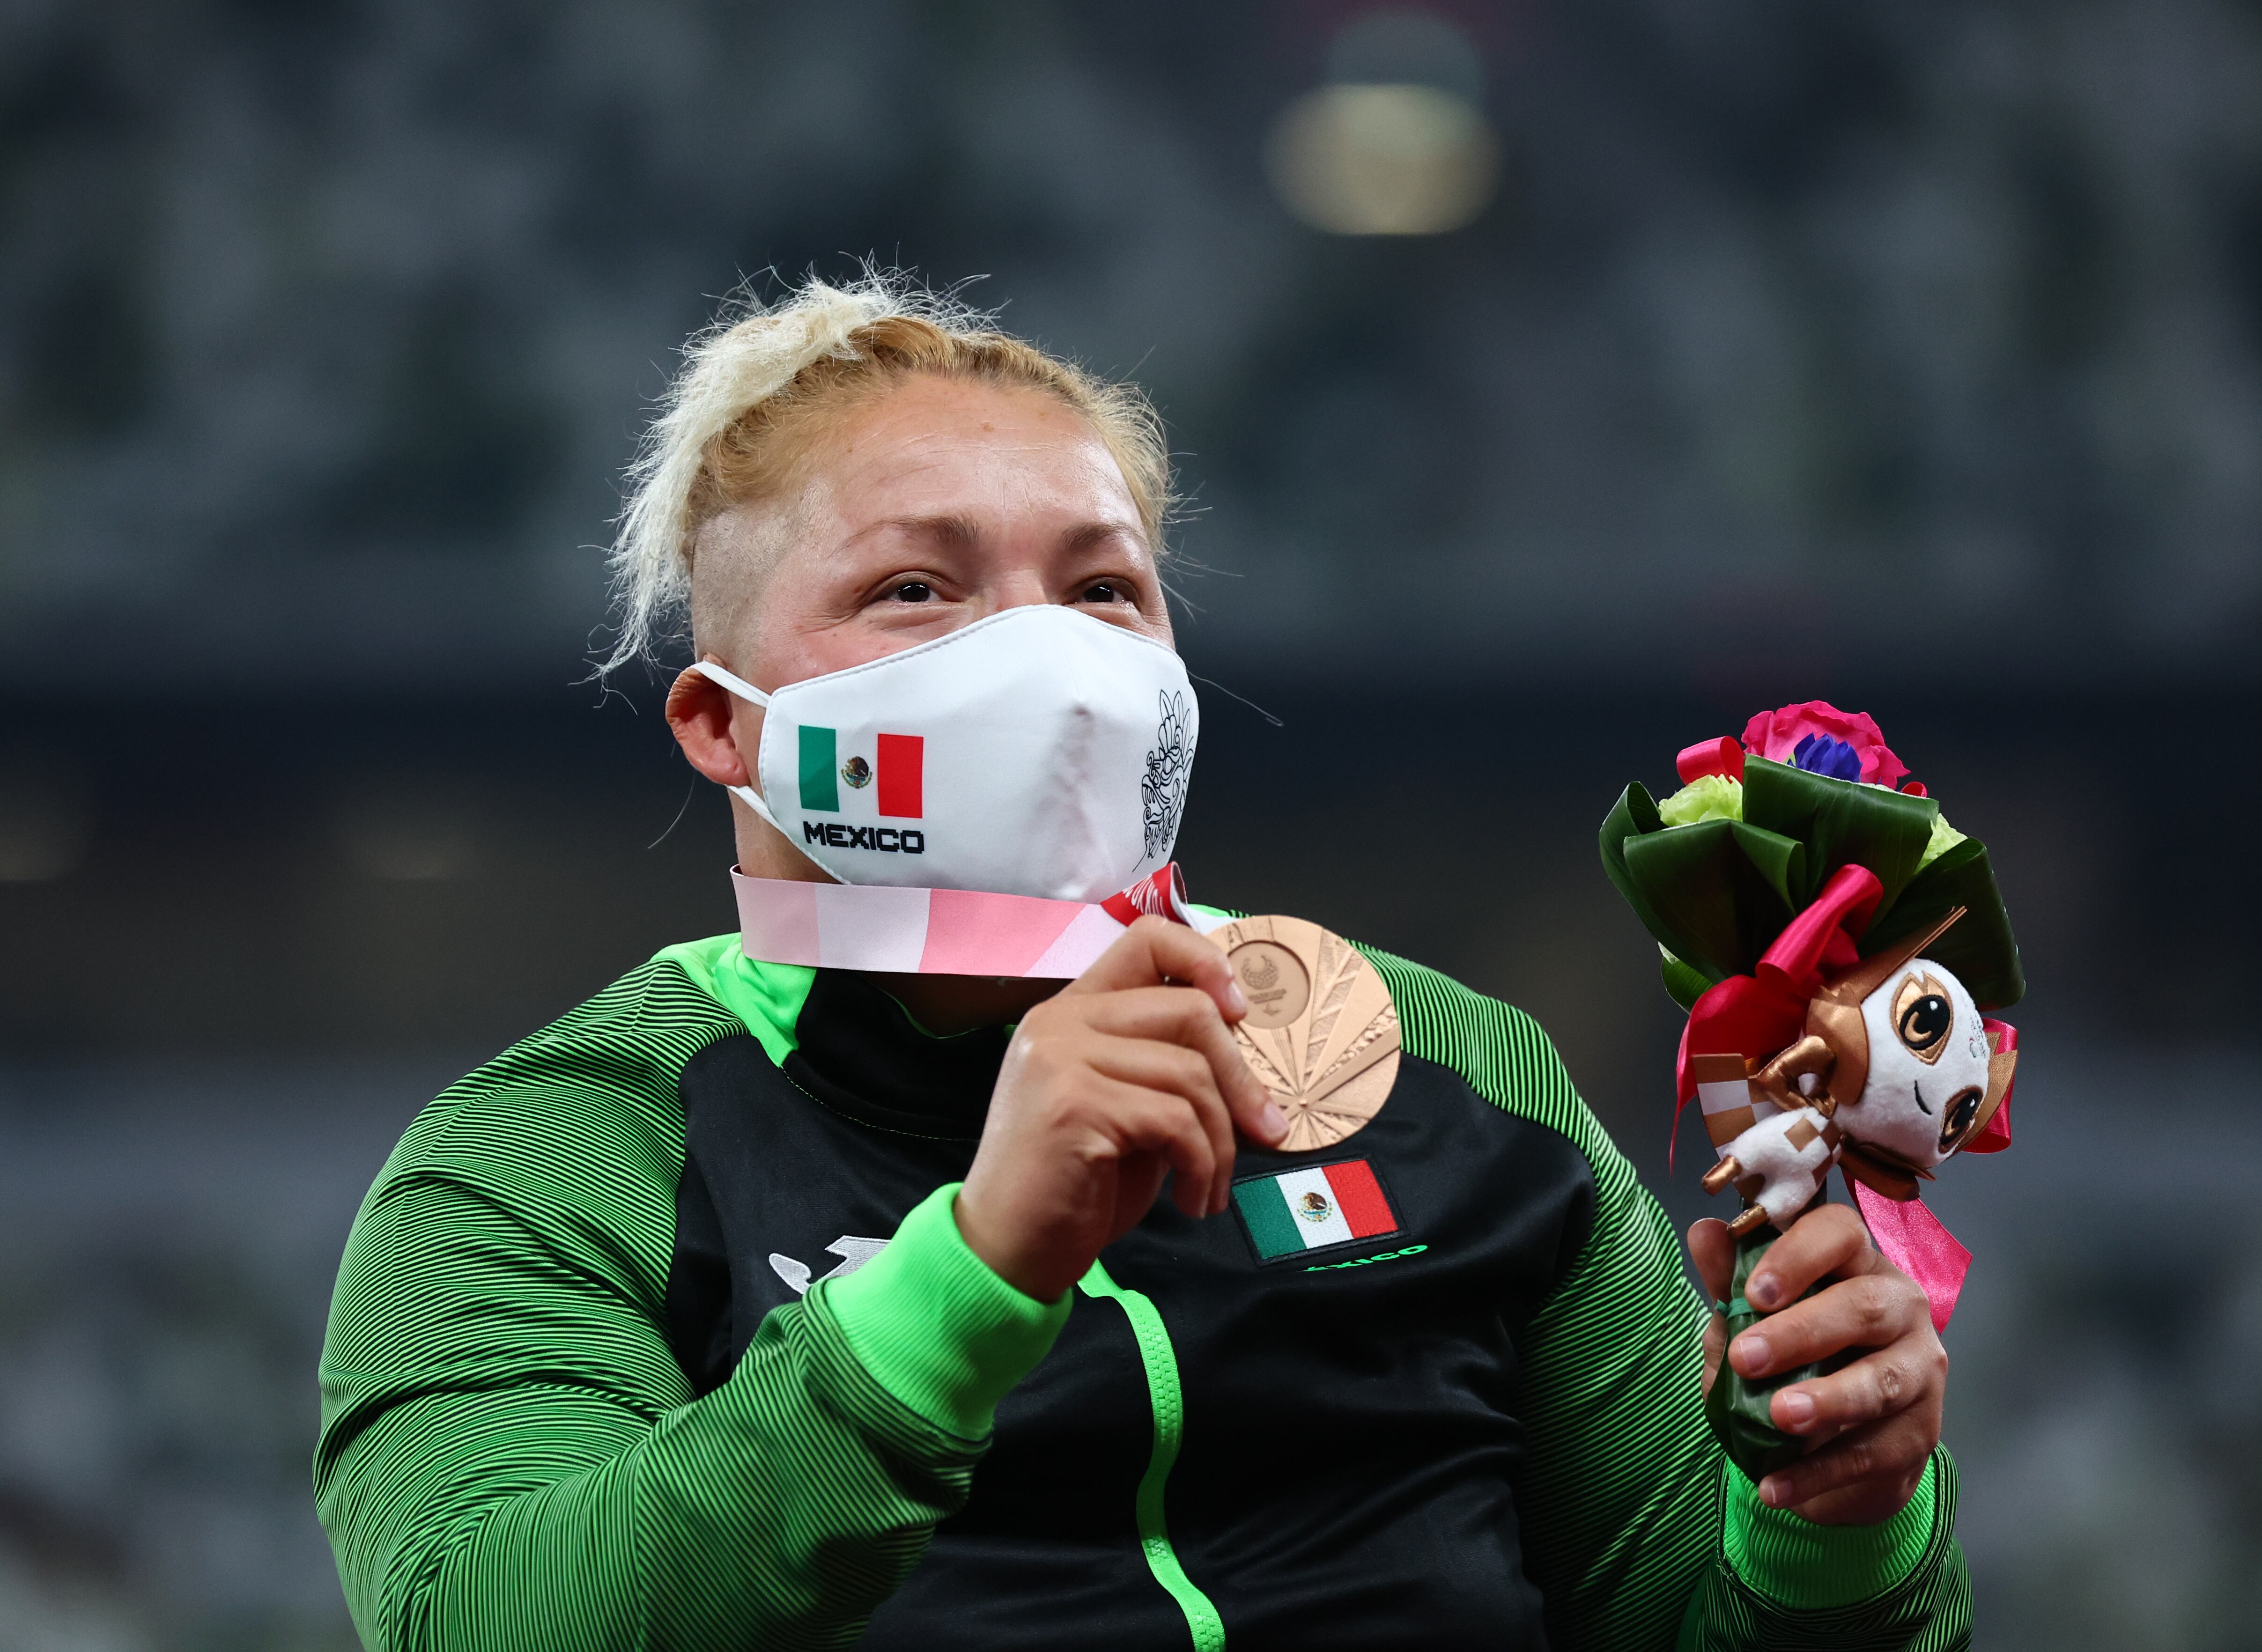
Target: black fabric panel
(1045,1553)
(1351,1446)
(699,1286)
(860,1056)
(789,1176)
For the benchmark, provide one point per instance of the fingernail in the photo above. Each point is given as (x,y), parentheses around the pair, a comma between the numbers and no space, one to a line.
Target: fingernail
(1771,1491)
(1233,995)
(1760,1293)
(1275,1121)
(1752,1353)
(1797,1409)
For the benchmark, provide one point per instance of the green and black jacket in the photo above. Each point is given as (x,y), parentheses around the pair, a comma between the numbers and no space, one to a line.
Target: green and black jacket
(580,1392)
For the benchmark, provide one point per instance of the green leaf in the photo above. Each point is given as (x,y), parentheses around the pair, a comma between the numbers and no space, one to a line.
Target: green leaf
(1716,890)
(1684,981)
(1841,823)
(1979,948)
(1633,814)
(1777,859)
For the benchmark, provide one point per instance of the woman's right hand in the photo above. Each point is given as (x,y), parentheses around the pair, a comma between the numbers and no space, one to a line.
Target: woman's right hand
(1128,1074)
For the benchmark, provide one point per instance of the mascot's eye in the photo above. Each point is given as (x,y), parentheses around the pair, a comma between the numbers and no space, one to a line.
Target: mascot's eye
(1963,1108)
(1924,1022)
(1923,1016)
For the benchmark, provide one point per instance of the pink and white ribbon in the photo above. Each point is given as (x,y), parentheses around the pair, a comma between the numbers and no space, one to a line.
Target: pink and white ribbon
(944,932)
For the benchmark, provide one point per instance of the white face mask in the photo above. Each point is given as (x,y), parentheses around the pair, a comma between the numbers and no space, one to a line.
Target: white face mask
(1038,751)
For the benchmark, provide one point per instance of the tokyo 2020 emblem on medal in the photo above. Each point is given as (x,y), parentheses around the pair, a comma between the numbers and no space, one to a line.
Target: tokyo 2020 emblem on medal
(1320,1034)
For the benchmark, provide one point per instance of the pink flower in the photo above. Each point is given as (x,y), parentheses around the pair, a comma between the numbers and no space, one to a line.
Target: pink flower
(1776,736)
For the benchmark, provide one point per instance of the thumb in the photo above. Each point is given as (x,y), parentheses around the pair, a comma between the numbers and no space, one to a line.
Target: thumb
(1714,1252)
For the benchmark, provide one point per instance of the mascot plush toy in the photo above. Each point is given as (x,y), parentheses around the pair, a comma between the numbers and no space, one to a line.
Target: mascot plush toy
(1837,944)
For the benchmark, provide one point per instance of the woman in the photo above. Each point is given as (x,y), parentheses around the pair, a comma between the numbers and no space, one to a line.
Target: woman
(584,1388)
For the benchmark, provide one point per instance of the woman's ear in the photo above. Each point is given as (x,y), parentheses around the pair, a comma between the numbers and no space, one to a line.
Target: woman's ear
(702,713)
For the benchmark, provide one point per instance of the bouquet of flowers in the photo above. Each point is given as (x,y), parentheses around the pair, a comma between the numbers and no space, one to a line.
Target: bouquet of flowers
(1837,945)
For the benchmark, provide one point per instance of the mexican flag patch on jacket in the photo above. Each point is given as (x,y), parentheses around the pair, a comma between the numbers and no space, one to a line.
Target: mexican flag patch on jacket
(1313,1208)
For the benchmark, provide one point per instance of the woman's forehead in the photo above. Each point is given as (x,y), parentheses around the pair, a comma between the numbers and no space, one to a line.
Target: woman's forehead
(930,441)
(931,466)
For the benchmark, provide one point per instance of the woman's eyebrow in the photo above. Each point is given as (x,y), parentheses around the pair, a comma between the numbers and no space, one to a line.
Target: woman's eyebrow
(948,528)
(1087,535)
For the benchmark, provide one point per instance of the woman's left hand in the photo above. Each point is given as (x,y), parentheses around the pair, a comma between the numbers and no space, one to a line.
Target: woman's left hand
(1873,1423)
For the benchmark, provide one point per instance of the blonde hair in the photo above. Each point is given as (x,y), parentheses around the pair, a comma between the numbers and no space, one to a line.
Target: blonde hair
(757,385)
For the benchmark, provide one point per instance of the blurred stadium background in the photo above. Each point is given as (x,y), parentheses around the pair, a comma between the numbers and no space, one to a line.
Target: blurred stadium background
(1556,385)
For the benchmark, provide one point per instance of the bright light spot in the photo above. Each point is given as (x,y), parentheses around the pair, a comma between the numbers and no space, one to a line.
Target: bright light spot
(1383,159)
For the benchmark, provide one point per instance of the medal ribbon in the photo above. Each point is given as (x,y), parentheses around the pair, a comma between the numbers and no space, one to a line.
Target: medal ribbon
(945,932)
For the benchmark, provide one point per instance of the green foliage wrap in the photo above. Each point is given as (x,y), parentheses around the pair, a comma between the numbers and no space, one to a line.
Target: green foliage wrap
(1715,894)
(1737,1405)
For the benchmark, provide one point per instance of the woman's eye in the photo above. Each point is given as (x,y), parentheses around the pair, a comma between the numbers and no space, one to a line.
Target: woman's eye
(1104,590)
(912,591)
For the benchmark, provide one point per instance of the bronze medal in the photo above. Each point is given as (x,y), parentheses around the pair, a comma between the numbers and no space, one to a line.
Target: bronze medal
(1320,1034)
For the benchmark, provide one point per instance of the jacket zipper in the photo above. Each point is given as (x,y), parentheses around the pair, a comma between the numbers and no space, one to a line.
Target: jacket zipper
(1163,1396)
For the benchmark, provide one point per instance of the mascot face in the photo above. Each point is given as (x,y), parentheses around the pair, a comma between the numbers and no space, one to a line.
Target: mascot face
(1925,1088)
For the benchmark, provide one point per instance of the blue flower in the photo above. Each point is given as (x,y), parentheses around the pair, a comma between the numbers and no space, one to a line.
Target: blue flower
(1819,754)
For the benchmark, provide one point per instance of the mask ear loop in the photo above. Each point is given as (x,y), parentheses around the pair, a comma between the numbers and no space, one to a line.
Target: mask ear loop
(747,691)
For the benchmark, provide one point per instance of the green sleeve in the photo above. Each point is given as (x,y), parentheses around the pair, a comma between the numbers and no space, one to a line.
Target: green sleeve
(1783,1582)
(1638,1532)
(510,1457)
